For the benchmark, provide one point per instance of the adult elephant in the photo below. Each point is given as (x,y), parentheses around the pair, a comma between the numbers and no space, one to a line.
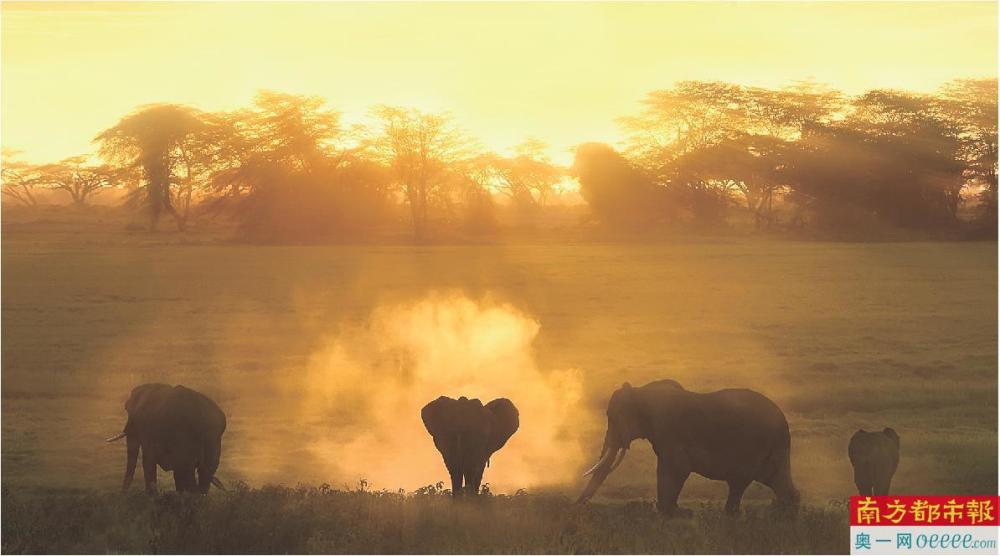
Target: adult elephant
(176,428)
(737,436)
(467,433)
(874,456)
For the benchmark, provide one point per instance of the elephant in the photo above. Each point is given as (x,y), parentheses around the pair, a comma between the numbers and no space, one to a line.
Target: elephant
(176,428)
(467,433)
(733,435)
(875,456)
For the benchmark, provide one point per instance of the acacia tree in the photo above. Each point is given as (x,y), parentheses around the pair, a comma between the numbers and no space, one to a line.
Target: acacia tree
(972,105)
(294,131)
(18,179)
(77,178)
(289,172)
(920,181)
(526,179)
(750,165)
(711,141)
(529,177)
(467,194)
(420,148)
(692,115)
(281,134)
(892,160)
(149,141)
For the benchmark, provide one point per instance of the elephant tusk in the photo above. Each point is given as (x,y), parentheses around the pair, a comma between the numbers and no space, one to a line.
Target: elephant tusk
(618,460)
(604,459)
(218,484)
(118,436)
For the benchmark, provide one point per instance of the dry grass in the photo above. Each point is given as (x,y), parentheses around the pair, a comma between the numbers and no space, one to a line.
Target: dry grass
(275,520)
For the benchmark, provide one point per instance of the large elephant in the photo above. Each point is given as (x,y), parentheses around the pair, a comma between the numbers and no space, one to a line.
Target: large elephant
(467,433)
(737,436)
(875,456)
(176,428)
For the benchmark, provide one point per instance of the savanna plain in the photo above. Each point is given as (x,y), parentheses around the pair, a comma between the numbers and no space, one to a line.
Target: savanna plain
(321,357)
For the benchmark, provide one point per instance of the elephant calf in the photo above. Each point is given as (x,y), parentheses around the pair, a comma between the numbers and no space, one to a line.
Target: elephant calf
(176,428)
(467,433)
(875,456)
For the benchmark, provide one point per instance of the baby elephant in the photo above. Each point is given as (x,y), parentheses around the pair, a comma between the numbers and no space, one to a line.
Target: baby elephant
(874,456)
(467,433)
(177,429)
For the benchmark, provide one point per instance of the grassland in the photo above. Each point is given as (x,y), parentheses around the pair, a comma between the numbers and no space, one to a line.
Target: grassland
(841,335)
(276,520)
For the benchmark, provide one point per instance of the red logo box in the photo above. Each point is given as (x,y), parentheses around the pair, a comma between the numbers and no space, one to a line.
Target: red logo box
(924,510)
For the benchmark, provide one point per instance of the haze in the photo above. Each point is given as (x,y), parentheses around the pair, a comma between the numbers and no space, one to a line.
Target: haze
(562,73)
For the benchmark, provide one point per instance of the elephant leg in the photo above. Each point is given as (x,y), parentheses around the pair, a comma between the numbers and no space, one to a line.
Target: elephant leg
(455,471)
(205,477)
(779,479)
(449,452)
(881,482)
(736,489)
(670,477)
(132,448)
(786,495)
(184,479)
(456,483)
(474,478)
(207,469)
(149,471)
(863,480)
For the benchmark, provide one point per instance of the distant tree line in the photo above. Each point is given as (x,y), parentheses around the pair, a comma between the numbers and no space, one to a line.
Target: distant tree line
(287,169)
(804,156)
(702,155)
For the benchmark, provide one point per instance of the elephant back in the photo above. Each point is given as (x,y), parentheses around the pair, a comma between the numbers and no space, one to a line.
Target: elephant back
(874,447)
(159,412)
(194,413)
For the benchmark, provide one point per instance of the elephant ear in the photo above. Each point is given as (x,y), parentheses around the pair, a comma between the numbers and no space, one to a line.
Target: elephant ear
(892,435)
(434,415)
(505,421)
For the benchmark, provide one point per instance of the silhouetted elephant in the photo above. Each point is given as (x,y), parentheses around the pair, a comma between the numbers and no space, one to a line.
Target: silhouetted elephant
(467,434)
(176,428)
(737,436)
(875,456)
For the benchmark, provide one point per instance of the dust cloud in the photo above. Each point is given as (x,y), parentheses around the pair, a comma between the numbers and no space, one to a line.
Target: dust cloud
(363,391)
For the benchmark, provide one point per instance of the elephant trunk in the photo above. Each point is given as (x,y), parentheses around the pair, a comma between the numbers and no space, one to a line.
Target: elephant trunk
(132,456)
(611,457)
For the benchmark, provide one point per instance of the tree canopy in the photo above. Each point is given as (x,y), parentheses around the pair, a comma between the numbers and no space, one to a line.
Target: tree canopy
(703,154)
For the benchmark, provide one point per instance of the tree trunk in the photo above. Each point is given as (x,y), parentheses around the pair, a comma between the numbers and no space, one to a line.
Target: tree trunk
(414,200)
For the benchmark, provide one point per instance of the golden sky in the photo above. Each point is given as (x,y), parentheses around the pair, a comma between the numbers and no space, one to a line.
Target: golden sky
(561,72)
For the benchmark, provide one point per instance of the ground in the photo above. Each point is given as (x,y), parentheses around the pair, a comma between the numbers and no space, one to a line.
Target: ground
(841,335)
(275,520)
